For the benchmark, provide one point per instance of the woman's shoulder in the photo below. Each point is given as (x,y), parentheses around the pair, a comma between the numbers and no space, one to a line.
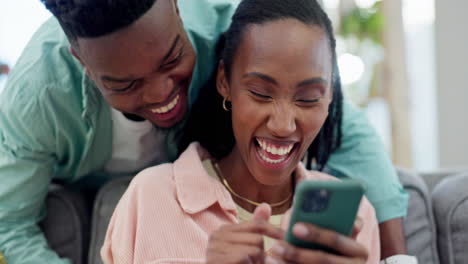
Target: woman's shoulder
(162,179)
(153,179)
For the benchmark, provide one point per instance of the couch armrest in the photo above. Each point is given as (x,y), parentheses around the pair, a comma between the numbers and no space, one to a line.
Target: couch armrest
(450,201)
(418,225)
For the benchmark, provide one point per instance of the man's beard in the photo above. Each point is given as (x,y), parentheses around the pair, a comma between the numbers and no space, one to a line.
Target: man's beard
(166,130)
(175,128)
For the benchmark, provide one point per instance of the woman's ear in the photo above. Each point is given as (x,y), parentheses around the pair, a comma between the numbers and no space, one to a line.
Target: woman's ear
(221,82)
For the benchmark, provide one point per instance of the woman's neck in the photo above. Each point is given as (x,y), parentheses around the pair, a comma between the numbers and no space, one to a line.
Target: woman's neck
(239,178)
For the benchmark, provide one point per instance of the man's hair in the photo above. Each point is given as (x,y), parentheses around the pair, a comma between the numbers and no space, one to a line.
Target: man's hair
(210,125)
(95,18)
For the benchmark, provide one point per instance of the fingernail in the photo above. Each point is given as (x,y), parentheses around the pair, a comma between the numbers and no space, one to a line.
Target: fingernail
(270,260)
(359,222)
(300,230)
(279,250)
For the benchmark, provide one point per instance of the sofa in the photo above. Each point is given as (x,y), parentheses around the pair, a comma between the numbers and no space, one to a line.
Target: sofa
(436,225)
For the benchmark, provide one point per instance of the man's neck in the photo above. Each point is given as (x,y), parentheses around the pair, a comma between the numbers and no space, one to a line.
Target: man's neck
(134,117)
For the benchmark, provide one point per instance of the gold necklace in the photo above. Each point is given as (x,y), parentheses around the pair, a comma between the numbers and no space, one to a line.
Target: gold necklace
(228,187)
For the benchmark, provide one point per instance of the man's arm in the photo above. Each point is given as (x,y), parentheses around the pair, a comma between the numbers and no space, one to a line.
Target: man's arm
(362,156)
(26,168)
(394,242)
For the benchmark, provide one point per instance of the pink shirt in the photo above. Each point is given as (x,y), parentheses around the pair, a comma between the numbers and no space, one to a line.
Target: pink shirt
(169,211)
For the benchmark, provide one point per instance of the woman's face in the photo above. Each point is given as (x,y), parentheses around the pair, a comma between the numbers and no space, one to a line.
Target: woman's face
(280,90)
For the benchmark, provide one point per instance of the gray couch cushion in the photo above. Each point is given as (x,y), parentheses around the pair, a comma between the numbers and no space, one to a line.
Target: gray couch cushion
(67,223)
(450,200)
(434,177)
(419,224)
(104,204)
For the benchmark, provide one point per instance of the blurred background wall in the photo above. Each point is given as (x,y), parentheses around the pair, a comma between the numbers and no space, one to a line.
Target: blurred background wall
(404,62)
(451,34)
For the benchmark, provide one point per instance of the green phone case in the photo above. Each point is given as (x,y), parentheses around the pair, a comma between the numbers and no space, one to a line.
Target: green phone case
(328,204)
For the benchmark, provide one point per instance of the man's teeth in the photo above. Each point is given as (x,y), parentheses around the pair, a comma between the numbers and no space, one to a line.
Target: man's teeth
(167,108)
(273,149)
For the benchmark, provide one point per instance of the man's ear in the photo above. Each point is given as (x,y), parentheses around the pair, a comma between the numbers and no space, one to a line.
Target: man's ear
(176,5)
(75,54)
(222,83)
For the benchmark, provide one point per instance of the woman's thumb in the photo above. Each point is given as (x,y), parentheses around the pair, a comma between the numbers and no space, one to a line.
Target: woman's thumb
(262,212)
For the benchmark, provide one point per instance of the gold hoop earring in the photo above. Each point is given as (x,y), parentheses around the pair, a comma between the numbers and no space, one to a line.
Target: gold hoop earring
(224,105)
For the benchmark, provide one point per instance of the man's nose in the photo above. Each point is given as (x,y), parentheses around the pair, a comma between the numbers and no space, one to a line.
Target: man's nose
(158,89)
(282,120)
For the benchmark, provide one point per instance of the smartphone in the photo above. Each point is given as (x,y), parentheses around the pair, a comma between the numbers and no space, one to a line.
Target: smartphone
(328,204)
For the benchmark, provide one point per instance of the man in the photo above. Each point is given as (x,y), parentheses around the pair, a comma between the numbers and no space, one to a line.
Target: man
(100,90)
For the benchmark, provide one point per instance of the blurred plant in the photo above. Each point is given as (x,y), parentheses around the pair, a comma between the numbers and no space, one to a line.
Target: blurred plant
(361,30)
(363,23)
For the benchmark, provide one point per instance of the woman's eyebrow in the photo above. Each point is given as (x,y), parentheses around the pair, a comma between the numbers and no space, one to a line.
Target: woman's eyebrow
(316,80)
(260,76)
(311,81)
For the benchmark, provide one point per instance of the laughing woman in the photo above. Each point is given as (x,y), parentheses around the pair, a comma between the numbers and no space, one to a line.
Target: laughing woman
(276,97)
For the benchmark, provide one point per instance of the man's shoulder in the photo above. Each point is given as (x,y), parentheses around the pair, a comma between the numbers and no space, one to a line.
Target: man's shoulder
(207,17)
(46,78)
(45,63)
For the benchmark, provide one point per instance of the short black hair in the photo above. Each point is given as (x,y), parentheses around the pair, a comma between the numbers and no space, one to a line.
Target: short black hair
(211,126)
(95,18)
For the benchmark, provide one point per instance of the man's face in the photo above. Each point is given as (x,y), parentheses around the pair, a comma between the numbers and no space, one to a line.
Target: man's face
(146,68)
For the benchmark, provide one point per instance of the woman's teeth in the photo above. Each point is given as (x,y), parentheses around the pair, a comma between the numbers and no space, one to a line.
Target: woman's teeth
(280,152)
(265,158)
(283,150)
(167,108)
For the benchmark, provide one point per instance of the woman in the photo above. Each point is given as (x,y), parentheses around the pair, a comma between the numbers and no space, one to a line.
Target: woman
(278,97)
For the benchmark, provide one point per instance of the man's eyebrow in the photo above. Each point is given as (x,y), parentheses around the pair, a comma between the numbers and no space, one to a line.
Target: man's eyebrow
(174,44)
(117,80)
(316,80)
(261,76)
(130,79)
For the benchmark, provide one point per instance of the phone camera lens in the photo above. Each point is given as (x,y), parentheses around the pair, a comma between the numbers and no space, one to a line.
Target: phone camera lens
(315,201)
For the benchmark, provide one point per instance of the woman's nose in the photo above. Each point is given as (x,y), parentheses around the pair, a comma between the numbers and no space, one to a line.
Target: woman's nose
(282,121)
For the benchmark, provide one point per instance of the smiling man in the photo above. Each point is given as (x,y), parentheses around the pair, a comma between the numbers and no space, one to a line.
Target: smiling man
(99,92)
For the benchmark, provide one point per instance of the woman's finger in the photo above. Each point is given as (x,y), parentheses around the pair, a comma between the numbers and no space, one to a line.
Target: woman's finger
(339,243)
(243,238)
(358,224)
(291,254)
(257,226)
(262,212)
(235,253)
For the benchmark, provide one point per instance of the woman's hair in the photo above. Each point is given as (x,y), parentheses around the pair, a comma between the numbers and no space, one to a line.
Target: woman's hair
(211,126)
(95,18)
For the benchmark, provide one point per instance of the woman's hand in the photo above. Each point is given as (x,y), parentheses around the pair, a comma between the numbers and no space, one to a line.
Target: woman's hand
(350,250)
(242,243)
(358,224)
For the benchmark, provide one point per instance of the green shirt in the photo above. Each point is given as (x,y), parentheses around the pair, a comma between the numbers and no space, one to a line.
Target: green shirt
(55,125)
